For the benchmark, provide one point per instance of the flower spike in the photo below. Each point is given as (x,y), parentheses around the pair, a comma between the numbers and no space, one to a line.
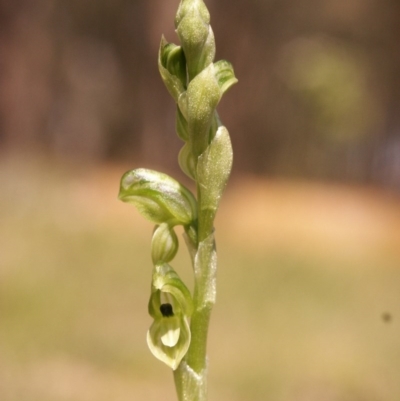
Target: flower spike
(178,333)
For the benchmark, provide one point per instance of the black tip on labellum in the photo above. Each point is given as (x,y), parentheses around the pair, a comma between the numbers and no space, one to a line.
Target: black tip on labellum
(166,310)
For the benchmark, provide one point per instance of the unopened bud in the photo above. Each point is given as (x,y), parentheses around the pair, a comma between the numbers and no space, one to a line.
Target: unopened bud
(164,244)
(225,75)
(158,197)
(187,161)
(172,67)
(192,24)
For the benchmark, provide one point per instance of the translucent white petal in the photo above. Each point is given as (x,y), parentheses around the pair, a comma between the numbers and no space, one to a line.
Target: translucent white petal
(171,337)
(171,356)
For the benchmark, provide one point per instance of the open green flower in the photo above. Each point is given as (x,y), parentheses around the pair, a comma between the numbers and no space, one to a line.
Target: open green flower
(171,306)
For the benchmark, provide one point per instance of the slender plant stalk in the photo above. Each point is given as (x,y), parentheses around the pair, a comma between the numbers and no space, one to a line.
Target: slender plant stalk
(197,84)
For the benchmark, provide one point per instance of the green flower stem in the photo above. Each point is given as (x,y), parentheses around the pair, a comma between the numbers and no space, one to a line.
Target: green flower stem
(191,376)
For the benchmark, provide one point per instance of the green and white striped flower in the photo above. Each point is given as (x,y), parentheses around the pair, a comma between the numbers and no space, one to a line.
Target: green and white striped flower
(158,197)
(170,306)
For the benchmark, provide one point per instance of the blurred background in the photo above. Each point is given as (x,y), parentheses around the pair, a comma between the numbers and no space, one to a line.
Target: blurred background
(308,232)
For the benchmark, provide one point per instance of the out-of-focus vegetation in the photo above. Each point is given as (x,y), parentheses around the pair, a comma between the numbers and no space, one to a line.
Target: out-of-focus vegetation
(319,91)
(308,303)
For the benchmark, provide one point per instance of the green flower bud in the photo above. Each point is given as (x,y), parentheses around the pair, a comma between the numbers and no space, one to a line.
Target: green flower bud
(191,239)
(158,197)
(186,6)
(225,75)
(187,161)
(192,24)
(170,306)
(164,244)
(183,107)
(181,125)
(172,67)
(202,96)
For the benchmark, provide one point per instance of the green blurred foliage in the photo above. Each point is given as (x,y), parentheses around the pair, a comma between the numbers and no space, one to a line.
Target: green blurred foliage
(332,83)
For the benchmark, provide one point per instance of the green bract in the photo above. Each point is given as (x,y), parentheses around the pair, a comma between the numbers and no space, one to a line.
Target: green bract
(158,197)
(213,169)
(203,96)
(170,306)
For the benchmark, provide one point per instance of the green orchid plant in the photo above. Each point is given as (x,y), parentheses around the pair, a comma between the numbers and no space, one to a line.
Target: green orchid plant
(178,334)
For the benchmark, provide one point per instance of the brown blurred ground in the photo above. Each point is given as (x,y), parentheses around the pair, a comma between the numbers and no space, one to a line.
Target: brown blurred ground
(308,290)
